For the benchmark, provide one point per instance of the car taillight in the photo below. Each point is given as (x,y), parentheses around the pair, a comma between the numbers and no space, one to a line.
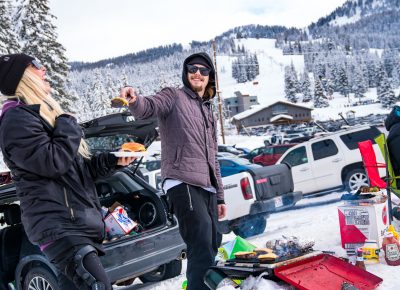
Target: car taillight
(246,188)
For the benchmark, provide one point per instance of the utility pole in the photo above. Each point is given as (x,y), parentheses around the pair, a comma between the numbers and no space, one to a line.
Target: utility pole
(218,93)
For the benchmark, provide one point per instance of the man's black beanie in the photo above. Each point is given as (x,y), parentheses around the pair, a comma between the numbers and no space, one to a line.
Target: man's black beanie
(199,60)
(12,67)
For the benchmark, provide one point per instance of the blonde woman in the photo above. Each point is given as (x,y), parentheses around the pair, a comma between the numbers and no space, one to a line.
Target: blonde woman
(53,172)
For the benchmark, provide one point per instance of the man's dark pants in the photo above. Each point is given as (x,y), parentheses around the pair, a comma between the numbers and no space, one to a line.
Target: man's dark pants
(196,211)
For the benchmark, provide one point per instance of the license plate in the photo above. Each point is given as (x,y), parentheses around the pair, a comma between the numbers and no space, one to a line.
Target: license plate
(278,201)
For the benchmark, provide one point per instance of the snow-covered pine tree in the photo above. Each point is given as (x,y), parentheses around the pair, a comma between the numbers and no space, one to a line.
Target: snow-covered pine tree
(343,81)
(385,93)
(242,72)
(256,64)
(8,40)
(320,100)
(290,85)
(395,81)
(38,38)
(235,69)
(359,86)
(250,67)
(306,87)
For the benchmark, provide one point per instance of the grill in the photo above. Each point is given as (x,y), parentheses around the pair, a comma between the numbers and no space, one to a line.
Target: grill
(242,268)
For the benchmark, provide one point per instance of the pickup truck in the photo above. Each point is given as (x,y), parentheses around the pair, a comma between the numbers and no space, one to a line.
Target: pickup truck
(250,197)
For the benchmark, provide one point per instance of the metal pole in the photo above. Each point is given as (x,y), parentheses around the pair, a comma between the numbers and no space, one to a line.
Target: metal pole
(218,95)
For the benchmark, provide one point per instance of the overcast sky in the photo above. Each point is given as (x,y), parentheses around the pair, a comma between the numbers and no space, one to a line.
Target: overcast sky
(96,29)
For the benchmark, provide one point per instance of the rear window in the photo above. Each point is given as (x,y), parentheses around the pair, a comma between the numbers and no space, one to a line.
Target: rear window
(351,139)
(323,149)
(109,143)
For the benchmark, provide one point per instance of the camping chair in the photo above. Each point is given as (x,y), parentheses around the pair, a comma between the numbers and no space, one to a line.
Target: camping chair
(370,164)
(391,178)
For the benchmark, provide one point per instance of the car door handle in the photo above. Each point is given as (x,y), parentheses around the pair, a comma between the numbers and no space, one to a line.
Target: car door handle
(337,160)
(304,169)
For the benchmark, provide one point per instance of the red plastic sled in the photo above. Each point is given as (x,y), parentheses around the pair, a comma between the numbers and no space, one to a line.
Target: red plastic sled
(326,272)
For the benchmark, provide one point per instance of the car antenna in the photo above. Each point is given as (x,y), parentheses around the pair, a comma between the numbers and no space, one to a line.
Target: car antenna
(320,126)
(344,119)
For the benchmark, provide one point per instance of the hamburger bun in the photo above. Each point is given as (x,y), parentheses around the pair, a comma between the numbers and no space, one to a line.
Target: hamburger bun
(133,147)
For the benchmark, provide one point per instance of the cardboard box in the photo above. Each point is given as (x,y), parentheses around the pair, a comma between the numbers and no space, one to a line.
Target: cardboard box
(118,223)
(362,220)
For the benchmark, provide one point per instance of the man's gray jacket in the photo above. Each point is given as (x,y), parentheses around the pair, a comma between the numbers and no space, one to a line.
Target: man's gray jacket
(188,136)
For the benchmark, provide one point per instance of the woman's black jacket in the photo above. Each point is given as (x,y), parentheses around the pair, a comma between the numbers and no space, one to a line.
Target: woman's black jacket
(54,183)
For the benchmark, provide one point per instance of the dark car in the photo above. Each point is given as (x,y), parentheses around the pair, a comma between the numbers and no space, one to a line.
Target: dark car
(230,166)
(154,253)
(271,154)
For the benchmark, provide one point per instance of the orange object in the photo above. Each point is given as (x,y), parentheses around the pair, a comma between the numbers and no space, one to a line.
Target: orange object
(119,102)
(133,147)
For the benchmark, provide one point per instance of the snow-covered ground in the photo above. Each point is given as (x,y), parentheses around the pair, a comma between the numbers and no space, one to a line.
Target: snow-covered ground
(319,223)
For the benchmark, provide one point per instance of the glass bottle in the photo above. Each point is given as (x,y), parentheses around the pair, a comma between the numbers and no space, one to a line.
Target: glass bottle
(360,259)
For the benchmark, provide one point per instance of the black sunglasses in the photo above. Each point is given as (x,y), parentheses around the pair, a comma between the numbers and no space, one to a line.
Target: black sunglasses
(203,70)
(36,64)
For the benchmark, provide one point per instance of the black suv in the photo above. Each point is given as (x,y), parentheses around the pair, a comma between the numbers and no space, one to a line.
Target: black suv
(153,254)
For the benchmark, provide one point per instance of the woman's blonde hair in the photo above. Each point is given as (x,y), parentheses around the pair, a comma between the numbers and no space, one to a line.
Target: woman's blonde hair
(32,90)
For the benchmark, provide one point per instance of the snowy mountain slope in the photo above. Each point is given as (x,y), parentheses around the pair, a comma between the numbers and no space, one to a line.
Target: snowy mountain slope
(270,87)
(353,10)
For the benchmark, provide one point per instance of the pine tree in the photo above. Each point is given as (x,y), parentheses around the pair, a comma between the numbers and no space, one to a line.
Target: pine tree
(8,40)
(359,86)
(343,81)
(290,85)
(38,38)
(320,100)
(385,93)
(306,87)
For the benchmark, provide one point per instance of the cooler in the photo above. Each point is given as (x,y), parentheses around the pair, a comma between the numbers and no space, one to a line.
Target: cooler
(360,220)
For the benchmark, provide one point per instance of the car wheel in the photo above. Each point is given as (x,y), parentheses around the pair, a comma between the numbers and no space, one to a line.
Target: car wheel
(40,278)
(166,271)
(251,227)
(355,179)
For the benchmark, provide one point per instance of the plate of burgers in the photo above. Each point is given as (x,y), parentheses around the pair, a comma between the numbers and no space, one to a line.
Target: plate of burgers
(131,149)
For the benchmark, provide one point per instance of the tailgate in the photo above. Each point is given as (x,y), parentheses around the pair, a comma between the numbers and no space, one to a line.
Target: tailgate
(272,181)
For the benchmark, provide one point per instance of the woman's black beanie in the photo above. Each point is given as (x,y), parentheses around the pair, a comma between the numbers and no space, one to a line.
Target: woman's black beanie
(12,67)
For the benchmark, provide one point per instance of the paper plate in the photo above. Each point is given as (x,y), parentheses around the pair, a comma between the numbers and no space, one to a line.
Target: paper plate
(129,154)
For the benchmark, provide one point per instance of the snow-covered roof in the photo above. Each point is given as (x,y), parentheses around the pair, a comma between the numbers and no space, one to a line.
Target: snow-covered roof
(281,116)
(257,108)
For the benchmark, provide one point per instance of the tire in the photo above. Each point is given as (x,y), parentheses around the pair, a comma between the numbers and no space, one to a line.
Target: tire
(251,227)
(166,271)
(40,278)
(355,179)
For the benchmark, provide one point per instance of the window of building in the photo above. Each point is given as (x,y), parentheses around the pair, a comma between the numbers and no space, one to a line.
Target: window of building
(279,109)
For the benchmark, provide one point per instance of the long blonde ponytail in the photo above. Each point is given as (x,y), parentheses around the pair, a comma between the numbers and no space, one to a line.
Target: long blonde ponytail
(32,90)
